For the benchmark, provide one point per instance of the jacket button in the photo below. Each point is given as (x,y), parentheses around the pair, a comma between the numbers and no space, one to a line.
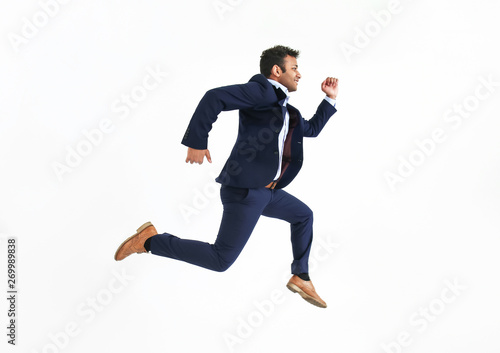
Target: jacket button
(275,152)
(277,131)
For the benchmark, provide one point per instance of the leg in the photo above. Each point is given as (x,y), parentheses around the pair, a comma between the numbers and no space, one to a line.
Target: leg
(288,208)
(242,209)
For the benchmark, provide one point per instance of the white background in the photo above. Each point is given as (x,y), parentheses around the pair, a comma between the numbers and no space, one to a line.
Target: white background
(391,250)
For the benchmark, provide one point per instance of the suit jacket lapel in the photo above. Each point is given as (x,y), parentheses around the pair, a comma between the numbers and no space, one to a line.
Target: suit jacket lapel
(280,94)
(281,99)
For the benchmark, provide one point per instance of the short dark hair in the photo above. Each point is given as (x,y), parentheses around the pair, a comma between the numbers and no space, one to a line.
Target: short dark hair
(275,56)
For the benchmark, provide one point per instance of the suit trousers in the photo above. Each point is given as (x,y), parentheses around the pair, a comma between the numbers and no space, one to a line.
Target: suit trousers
(242,209)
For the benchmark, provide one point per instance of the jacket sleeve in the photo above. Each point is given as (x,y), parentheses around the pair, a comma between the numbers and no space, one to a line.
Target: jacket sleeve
(313,127)
(243,96)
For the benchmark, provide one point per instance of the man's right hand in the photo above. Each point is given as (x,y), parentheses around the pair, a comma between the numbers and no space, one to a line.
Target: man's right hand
(197,156)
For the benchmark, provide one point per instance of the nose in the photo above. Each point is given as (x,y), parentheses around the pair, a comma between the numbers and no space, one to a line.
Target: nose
(299,76)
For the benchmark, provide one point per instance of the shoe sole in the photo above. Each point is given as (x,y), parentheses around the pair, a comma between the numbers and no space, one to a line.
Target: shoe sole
(295,289)
(140,229)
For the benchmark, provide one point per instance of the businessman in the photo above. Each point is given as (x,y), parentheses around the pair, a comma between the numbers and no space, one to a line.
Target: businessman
(266,157)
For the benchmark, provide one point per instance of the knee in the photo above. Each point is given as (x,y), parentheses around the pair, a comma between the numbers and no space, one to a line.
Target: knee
(224,257)
(224,261)
(222,266)
(307,214)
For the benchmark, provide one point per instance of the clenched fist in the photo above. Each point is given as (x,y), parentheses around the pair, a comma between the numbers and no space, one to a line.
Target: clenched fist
(331,87)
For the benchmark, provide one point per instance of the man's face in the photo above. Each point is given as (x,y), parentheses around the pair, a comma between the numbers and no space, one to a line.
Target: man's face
(290,78)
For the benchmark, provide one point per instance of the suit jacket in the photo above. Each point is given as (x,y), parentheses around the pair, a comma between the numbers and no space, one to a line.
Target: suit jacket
(254,159)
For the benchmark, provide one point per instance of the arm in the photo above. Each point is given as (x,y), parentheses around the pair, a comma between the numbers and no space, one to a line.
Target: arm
(215,101)
(326,109)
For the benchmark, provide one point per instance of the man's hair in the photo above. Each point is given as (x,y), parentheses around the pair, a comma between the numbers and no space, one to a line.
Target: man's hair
(275,56)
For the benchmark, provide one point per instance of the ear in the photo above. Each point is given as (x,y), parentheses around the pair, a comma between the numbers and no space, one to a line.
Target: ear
(276,71)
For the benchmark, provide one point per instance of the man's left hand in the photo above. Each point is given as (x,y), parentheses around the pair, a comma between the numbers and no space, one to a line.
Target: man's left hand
(331,87)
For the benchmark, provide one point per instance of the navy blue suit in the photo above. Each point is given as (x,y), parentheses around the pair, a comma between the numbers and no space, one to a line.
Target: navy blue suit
(254,159)
(252,164)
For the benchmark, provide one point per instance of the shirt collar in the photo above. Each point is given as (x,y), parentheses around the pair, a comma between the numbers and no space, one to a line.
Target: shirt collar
(279,85)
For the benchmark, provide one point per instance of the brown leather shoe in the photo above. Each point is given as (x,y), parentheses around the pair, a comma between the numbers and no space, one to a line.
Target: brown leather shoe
(306,291)
(135,243)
